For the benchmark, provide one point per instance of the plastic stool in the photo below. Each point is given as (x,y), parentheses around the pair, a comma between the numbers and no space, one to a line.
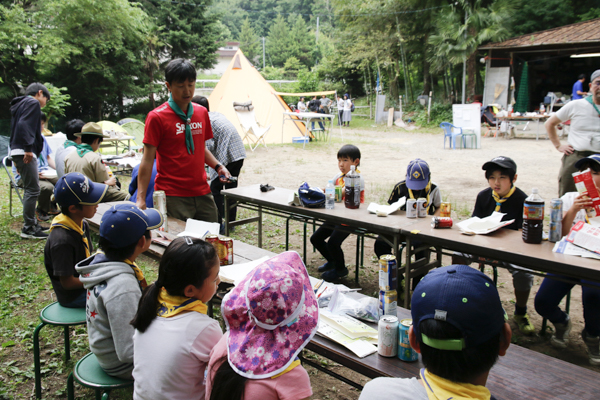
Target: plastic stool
(88,373)
(57,315)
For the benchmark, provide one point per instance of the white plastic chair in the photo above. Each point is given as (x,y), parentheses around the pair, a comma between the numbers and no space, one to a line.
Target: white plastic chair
(253,132)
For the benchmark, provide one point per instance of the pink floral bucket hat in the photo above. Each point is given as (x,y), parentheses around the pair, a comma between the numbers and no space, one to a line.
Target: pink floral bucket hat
(270,315)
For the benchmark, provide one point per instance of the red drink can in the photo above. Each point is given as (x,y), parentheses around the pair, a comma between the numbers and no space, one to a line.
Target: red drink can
(225,250)
(441,222)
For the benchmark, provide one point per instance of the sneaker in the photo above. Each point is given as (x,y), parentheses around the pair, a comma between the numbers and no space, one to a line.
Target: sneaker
(326,267)
(524,324)
(593,347)
(41,215)
(33,233)
(334,274)
(560,338)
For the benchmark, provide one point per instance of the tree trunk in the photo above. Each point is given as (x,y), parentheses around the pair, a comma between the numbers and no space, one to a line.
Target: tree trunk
(99,110)
(426,68)
(471,65)
(393,84)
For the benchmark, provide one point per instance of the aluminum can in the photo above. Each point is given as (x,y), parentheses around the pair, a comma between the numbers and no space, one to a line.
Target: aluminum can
(338,194)
(388,302)
(159,198)
(441,222)
(445,210)
(555,233)
(211,239)
(421,207)
(405,352)
(387,337)
(556,212)
(388,272)
(225,250)
(411,208)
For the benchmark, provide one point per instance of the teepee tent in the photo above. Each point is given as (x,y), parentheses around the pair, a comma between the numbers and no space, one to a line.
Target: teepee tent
(242,82)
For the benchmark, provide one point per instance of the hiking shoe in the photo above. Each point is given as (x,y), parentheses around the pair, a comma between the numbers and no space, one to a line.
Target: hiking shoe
(334,274)
(41,215)
(326,267)
(560,338)
(33,233)
(524,324)
(593,347)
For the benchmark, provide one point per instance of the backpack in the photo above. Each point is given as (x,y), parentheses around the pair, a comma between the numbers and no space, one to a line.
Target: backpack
(311,197)
(314,105)
(352,108)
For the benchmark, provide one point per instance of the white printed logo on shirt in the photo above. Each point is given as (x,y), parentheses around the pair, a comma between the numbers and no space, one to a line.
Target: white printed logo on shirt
(196,128)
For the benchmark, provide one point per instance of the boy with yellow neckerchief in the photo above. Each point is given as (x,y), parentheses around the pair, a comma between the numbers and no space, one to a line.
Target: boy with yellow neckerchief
(114,284)
(459,328)
(503,196)
(69,240)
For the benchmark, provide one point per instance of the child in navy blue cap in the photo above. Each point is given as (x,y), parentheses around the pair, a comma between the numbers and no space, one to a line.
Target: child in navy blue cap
(552,290)
(459,328)
(69,241)
(114,284)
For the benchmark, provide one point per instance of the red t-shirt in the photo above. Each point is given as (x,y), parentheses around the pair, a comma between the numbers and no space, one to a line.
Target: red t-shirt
(178,173)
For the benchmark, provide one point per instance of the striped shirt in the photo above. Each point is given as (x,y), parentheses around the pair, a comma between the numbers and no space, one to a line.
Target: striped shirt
(226,145)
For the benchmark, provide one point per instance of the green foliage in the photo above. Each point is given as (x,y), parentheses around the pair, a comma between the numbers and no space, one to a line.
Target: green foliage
(284,42)
(250,43)
(532,18)
(307,81)
(292,65)
(273,73)
(58,101)
(440,112)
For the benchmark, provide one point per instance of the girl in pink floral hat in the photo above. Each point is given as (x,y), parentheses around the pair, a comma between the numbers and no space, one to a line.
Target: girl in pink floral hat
(271,315)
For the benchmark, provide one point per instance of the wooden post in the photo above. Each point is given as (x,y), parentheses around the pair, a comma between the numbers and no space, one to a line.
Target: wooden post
(390,117)
(429,107)
(400,106)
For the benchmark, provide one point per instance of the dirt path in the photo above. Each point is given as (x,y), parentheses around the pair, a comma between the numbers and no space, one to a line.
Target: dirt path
(385,155)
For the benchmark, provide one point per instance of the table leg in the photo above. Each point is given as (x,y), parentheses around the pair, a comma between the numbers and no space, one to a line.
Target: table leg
(260,227)
(226,216)
(407,272)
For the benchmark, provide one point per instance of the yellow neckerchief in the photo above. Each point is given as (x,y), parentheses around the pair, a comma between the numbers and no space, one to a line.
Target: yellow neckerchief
(173,305)
(340,180)
(293,365)
(62,221)
(441,389)
(139,275)
(499,200)
(427,190)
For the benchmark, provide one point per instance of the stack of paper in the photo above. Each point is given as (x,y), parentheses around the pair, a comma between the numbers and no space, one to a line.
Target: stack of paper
(385,210)
(482,226)
(349,332)
(569,249)
(235,273)
(199,229)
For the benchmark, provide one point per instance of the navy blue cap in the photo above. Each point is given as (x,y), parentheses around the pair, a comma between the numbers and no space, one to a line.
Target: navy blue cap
(76,188)
(124,224)
(417,174)
(592,158)
(463,297)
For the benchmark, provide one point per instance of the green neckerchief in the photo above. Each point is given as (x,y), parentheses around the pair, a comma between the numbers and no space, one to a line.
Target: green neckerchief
(69,143)
(189,142)
(589,99)
(83,149)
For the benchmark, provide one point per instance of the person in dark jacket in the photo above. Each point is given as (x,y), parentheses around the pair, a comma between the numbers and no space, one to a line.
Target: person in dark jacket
(26,144)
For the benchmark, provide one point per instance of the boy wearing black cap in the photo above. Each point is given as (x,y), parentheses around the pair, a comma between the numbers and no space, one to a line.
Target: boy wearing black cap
(503,196)
(69,241)
(114,284)
(459,328)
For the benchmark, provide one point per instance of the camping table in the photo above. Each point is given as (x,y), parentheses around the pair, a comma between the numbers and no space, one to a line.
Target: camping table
(503,245)
(523,118)
(114,141)
(308,116)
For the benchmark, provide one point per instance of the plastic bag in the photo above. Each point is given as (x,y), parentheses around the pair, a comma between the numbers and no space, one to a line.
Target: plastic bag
(367,308)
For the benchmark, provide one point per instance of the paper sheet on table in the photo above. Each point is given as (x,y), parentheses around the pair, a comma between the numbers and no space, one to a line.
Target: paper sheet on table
(48,173)
(349,326)
(482,226)
(199,229)
(375,208)
(131,162)
(360,347)
(237,272)
(569,249)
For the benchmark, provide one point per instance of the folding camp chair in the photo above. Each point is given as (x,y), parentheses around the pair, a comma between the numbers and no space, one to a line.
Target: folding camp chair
(7,163)
(253,132)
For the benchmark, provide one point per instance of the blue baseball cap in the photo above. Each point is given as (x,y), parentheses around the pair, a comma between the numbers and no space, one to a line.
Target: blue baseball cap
(124,224)
(76,188)
(463,297)
(417,174)
(583,161)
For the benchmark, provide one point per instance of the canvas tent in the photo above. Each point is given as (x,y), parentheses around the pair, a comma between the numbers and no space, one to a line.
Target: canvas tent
(242,82)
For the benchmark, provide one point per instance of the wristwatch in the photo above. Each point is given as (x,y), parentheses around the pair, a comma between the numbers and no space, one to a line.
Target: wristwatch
(218,166)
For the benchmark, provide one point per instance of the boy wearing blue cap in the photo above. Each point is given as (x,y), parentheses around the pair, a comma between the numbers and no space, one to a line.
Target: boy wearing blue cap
(459,328)
(552,291)
(69,241)
(503,196)
(114,284)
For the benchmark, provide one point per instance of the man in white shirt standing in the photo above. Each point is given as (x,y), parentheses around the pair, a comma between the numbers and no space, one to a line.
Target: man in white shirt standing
(584,136)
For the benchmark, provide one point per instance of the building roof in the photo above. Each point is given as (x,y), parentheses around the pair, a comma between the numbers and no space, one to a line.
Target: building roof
(576,36)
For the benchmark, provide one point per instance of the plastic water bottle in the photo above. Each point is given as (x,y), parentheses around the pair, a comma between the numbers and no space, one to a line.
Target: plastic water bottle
(533,218)
(330,195)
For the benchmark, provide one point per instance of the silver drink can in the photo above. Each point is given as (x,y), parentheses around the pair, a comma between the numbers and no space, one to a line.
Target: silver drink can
(555,233)
(387,338)
(159,198)
(411,208)
(556,212)
(421,207)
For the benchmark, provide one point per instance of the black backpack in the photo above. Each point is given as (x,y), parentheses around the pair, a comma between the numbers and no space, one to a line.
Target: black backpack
(314,105)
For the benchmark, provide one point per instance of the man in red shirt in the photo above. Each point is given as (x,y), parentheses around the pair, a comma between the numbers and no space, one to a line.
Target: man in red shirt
(175,134)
